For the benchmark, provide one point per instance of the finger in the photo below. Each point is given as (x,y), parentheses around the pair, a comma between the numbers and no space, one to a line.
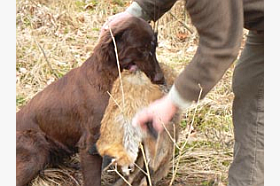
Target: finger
(158,125)
(145,116)
(141,118)
(136,123)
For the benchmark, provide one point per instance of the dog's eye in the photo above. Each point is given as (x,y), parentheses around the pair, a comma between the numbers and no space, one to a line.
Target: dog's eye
(142,50)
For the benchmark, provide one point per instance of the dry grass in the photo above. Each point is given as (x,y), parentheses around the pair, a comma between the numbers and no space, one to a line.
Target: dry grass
(56,36)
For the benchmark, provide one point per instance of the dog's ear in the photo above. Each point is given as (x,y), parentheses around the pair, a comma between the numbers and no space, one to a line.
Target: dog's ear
(107,46)
(116,34)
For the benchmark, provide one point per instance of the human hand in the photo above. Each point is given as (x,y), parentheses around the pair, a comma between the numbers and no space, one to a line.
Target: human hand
(159,112)
(114,20)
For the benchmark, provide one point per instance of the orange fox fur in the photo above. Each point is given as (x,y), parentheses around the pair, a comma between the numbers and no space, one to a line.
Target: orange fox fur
(120,140)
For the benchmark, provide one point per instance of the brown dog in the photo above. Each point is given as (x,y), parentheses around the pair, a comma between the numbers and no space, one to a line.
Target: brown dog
(65,117)
(119,140)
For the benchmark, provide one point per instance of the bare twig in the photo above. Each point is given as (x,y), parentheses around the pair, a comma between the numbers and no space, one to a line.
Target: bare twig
(118,63)
(186,26)
(119,174)
(63,172)
(115,101)
(168,133)
(186,141)
(173,155)
(140,169)
(45,56)
(146,164)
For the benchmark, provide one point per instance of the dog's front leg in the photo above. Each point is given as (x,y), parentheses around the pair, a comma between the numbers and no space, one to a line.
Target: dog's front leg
(91,168)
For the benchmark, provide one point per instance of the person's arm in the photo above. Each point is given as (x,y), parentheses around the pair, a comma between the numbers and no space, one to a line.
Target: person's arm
(220,26)
(150,9)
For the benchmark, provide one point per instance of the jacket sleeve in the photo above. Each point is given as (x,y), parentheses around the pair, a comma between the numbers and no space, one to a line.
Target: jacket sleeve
(220,26)
(155,8)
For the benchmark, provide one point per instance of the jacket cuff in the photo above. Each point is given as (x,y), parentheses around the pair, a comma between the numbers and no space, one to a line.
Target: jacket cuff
(177,99)
(136,10)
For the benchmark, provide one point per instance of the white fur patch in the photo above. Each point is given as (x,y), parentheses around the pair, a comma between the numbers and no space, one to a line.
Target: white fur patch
(132,136)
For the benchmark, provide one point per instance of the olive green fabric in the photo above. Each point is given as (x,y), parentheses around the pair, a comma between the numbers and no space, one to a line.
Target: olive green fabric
(247,168)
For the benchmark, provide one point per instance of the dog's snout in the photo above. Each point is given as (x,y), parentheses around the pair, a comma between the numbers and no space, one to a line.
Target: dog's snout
(159,78)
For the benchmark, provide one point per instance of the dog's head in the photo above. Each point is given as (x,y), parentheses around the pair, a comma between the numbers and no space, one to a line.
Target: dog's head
(136,47)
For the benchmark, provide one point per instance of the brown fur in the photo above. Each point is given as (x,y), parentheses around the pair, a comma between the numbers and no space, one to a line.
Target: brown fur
(138,92)
(65,117)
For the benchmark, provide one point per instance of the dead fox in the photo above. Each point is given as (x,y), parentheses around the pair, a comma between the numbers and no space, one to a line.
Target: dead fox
(120,140)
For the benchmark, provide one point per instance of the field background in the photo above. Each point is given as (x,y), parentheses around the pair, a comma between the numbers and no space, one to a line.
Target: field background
(55,36)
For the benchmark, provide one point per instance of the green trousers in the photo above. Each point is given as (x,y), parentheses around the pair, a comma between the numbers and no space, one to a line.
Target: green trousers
(247,168)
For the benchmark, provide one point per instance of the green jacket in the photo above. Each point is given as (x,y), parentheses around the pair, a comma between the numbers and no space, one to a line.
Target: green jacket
(220,27)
